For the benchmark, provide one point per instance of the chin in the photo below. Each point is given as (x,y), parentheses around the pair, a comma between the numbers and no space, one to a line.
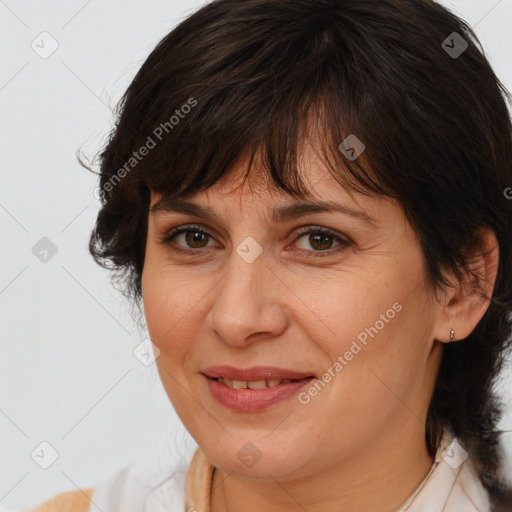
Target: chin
(256,460)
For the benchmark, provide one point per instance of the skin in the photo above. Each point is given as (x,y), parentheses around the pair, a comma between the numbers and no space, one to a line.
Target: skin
(359,444)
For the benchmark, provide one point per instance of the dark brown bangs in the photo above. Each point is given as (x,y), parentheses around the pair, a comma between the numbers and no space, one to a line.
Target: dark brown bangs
(272,133)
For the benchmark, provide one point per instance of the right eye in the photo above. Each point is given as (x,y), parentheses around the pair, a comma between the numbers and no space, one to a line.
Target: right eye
(193,235)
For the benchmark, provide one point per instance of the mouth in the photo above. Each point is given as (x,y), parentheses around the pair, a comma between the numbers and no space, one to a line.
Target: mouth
(254,395)
(256,384)
(255,388)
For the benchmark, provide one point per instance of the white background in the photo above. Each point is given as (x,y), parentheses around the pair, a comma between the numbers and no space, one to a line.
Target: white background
(68,375)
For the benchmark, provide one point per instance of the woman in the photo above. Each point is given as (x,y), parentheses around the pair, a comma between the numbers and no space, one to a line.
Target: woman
(308,197)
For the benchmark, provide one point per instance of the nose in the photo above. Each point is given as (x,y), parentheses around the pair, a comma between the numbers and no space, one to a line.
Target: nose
(248,304)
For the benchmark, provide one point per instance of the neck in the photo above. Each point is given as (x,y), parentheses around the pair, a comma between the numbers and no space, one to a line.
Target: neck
(382,478)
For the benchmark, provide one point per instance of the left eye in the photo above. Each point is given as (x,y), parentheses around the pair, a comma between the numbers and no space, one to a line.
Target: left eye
(321,239)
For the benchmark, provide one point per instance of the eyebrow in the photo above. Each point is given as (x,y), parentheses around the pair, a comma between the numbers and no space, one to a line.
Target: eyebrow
(278,214)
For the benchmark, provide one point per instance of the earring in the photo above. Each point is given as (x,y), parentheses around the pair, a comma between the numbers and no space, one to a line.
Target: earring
(452,334)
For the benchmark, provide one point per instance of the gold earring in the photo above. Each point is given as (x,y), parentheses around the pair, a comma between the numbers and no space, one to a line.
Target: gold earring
(452,334)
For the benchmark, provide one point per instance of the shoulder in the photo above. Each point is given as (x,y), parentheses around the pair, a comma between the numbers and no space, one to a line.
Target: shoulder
(141,486)
(468,491)
(453,484)
(71,501)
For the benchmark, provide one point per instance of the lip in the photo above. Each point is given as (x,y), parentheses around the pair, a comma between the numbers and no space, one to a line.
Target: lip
(251,400)
(254,373)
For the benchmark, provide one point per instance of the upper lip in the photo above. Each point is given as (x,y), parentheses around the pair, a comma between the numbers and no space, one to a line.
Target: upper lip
(254,373)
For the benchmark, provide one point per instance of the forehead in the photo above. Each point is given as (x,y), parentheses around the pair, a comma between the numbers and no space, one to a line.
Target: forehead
(259,193)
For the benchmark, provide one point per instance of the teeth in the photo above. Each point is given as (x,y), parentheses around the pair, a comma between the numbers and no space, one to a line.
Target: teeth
(239,384)
(256,384)
(252,384)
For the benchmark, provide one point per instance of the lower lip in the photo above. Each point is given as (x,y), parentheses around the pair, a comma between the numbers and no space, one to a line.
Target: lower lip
(254,399)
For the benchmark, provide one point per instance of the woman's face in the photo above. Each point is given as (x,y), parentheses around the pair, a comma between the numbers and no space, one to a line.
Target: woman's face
(350,307)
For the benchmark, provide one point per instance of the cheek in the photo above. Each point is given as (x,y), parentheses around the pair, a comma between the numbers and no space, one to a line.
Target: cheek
(174,306)
(369,333)
(165,303)
(348,311)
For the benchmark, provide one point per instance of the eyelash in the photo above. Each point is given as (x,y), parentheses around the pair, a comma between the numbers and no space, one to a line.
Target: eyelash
(344,243)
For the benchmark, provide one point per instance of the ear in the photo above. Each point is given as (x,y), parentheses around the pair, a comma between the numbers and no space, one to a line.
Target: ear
(466,302)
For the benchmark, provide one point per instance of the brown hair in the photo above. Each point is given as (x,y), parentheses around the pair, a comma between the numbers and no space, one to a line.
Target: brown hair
(241,76)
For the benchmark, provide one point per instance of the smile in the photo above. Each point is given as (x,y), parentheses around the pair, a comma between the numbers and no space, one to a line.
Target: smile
(251,396)
(253,384)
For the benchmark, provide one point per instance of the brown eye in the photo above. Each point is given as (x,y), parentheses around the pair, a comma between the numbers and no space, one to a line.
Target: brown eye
(321,241)
(193,237)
